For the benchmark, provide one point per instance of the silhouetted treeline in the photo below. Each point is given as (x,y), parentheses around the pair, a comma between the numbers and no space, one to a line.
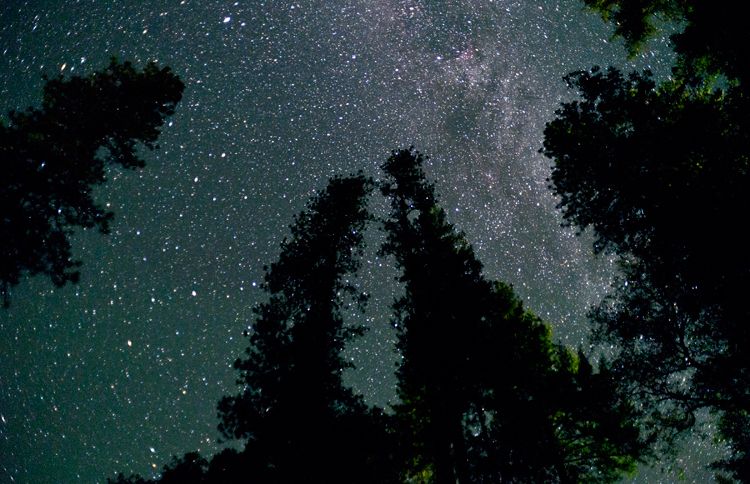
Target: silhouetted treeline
(484,393)
(657,170)
(660,173)
(55,155)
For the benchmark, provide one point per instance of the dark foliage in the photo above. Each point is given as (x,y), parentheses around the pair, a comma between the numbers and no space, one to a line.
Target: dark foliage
(485,395)
(710,38)
(190,469)
(226,467)
(301,423)
(660,174)
(55,155)
(298,421)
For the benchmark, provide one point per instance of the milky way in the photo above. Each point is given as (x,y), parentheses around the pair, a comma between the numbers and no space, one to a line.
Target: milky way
(124,370)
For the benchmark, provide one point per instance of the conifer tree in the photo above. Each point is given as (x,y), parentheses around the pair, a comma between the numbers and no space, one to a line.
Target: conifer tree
(484,393)
(300,422)
(480,380)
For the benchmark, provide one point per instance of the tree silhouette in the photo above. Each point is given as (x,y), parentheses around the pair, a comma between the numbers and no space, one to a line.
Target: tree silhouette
(485,395)
(659,173)
(301,423)
(298,421)
(189,469)
(710,38)
(480,381)
(55,155)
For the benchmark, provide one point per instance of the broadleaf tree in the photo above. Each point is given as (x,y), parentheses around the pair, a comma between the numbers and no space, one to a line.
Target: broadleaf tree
(55,155)
(709,38)
(658,172)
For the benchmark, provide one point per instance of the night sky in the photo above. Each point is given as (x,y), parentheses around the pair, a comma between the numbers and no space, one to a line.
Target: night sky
(124,370)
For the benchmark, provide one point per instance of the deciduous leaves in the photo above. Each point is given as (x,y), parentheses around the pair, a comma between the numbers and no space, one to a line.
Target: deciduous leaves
(55,155)
(710,37)
(660,174)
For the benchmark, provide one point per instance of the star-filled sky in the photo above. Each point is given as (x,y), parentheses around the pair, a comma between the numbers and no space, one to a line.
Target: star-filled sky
(123,370)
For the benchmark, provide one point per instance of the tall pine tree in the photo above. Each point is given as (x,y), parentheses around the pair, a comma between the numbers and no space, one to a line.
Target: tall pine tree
(300,421)
(480,381)
(485,395)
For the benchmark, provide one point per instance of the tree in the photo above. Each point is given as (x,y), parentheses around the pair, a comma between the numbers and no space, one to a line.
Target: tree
(131,479)
(297,420)
(709,38)
(480,381)
(659,174)
(485,395)
(300,421)
(53,157)
(189,469)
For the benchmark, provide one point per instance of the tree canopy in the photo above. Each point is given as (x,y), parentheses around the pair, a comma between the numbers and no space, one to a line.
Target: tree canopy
(55,155)
(709,37)
(485,395)
(480,380)
(658,171)
(299,420)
